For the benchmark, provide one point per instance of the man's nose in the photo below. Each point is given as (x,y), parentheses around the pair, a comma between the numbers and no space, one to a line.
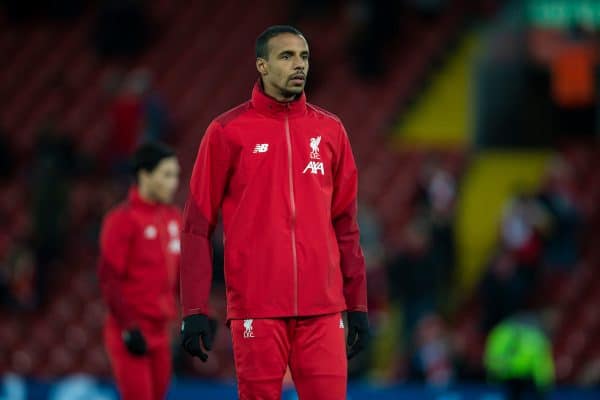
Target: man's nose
(300,64)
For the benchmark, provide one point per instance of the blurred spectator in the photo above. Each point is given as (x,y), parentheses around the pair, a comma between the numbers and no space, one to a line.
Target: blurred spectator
(6,155)
(436,188)
(524,224)
(441,192)
(54,164)
(432,360)
(18,277)
(126,121)
(436,195)
(122,28)
(443,254)
(504,290)
(513,273)
(556,196)
(157,122)
(413,277)
(421,274)
(138,113)
(519,355)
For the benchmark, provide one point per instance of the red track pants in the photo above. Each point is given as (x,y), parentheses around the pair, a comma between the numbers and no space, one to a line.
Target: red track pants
(137,378)
(313,347)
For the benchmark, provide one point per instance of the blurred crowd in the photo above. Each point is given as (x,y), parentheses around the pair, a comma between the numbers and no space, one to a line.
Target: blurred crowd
(57,163)
(539,231)
(34,243)
(419,273)
(539,234)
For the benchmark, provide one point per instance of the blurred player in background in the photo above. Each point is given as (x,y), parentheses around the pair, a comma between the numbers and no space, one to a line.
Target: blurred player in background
(139,257)
(283,172)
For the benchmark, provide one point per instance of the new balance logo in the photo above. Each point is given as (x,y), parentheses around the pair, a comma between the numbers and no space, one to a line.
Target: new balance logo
(261,148)
(248,330)
(314,167)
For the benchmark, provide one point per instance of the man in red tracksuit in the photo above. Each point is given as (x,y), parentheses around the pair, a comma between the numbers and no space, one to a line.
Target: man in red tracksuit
(139,257)
(283,173)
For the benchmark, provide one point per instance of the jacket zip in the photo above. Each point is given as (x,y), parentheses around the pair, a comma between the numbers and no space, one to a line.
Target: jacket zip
(293,210)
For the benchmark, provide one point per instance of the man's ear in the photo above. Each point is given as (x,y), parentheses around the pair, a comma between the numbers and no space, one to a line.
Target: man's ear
(261,66)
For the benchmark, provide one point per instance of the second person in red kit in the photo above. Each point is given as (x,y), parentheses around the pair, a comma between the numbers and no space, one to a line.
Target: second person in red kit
(139,257)
(283,173)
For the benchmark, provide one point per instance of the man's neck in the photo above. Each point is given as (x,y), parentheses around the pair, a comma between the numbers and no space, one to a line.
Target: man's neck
(145,195)
(275,93)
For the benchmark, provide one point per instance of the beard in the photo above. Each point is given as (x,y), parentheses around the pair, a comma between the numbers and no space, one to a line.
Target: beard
(291,91)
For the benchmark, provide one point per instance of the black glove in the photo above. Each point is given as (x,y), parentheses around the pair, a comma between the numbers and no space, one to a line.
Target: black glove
(195,327)
(358,332)
(135,342)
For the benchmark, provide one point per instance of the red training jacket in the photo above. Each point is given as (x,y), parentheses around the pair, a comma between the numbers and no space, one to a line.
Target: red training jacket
(285,178)
(139,256)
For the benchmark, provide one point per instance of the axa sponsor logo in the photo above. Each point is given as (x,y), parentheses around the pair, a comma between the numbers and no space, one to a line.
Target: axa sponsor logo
(315,167)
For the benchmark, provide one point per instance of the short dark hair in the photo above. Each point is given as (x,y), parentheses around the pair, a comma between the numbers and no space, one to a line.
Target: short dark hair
(148,155)
(262,41)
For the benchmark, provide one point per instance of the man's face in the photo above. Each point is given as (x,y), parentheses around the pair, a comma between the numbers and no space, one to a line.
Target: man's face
(284,71)
(163,181)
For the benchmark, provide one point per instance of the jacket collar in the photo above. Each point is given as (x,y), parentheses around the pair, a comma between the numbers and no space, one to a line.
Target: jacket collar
(137,201)
(268,105)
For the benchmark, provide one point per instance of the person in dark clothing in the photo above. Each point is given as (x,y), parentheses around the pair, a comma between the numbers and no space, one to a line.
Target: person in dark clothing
(413,276)
(432,359)
(503,290)
(53,167)
(556,197)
